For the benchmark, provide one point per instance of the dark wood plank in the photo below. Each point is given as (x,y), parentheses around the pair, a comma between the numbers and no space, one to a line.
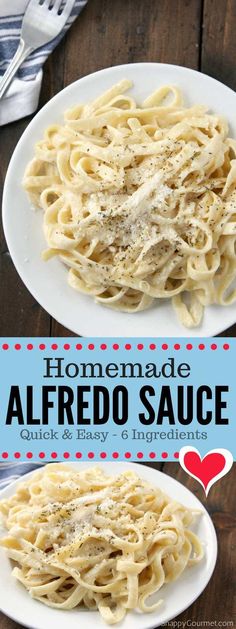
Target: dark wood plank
(155,465)
(219,40)
(9,136)
(218,53)
(230,332)
(220,504)
(20,314)
(129,31)
(7,623)
(58,330)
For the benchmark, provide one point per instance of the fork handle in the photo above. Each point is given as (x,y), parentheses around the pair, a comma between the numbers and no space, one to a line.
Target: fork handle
(22,52)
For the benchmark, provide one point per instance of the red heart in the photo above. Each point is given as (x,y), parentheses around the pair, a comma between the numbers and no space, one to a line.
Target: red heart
(208,469)
(205,469)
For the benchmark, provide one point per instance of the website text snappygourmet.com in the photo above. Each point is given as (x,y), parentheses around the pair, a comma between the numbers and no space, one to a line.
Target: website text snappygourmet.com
(182,624)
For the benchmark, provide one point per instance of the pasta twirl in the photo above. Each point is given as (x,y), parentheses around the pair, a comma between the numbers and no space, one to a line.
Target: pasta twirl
(140,202)
(104,542)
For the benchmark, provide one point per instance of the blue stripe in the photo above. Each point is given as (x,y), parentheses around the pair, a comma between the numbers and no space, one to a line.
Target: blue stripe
(6,17)
(14,469)
(10,25)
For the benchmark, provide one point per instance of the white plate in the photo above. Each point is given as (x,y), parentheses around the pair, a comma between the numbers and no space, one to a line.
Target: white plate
(23,228)
(17,604)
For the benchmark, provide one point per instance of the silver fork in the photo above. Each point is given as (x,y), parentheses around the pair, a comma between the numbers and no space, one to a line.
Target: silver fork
(43,20)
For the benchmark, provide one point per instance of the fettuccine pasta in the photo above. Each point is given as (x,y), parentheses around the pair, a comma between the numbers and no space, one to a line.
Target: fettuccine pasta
(140,202)
(104,542)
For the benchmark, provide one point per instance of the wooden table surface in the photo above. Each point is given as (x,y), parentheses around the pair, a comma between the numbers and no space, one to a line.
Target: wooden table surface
(216,605)
(199,34)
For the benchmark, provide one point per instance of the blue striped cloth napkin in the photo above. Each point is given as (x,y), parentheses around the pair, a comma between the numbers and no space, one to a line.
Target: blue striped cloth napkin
(12,471)
(22,96)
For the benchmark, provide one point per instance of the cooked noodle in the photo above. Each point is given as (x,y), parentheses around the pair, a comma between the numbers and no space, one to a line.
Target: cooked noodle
(104,542)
